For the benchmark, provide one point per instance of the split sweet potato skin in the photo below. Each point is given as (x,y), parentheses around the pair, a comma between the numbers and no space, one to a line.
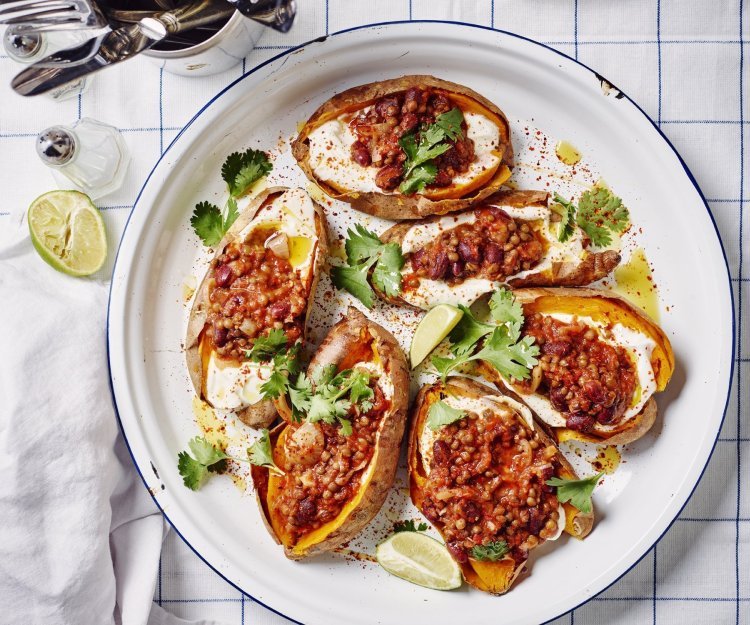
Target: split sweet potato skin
(592,267)
(263,413)
(608,307)
(398,206)
(493,577)
(337,347)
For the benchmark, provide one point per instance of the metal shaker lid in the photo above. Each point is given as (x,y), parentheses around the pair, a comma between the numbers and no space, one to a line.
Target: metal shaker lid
(56,145)
(21,45)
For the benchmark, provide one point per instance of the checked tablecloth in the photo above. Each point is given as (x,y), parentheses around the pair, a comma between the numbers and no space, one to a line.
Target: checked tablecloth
(684,61)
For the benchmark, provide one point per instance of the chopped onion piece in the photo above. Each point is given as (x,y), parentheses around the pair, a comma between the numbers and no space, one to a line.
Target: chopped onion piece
(278,243)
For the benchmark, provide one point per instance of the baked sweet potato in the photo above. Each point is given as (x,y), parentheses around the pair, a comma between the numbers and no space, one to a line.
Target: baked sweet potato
(334,483)
(601,361)
(355,147)
(262,278)
(481,481)
(507,238)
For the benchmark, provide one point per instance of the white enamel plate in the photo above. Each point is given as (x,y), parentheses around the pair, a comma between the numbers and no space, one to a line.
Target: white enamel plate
(547,97)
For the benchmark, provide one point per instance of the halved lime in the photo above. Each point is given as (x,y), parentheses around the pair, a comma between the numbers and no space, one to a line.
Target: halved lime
(433,328)
(419,559)
(68,232)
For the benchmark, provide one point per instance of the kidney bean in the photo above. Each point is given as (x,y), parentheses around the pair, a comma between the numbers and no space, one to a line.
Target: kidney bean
(493,253)
(306,511)
(580,422)
(223,275)
(387,107)
(469,251)
(458,552)
(593,390)
(536,520)
(472,512)
(440,452)
(220,336)
(440,266)
(409,121)
(388,177)
(457,268)
(556,348)
(361,154)
(280,309)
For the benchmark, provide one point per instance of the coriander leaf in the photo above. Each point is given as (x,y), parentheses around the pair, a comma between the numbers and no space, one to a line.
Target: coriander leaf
(194,470)
(491,552)
(567,212)
(511,359)
(324,374)
(445,365)
(300,394)
(354,280)
(346,426)
(232,213)
(450,123)
(418,179)
(360,392)
(409,526)
(599,212)
(504,308)
(387,273)
(207,223)
(577,492)
(599,235)
(267,346)
(321,409)
(361,244)
(441,414)
(204,452)
(241,169)
(260,453)
(468,332)
(275,386)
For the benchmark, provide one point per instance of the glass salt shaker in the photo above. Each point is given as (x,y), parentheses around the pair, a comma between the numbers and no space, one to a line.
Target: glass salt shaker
(90,154)
(28,47)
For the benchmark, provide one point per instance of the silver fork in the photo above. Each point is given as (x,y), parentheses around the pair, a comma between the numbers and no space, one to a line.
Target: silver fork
(39,15)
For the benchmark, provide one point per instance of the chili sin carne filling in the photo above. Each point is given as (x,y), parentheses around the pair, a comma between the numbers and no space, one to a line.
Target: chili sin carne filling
(487,483)
(251,290)
(379,128)
(587,380)
(494,246)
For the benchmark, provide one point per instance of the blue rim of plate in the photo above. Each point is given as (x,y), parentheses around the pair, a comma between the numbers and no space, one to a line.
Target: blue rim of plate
(480,27)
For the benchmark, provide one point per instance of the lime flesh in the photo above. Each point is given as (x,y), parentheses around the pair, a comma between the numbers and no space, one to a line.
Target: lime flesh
(68,232)
(433,328)
(419,559)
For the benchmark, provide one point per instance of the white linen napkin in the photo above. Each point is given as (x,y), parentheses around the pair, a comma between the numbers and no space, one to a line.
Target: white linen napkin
(80,538)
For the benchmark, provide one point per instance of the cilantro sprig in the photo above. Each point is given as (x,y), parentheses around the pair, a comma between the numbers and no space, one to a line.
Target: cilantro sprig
(243,169)
(327,395)
(365,252)
(409,526)
(577,492)
(420,168)
(441,414)
(208,458)
(599,213)
(491,552)
(502,345)
(240,171)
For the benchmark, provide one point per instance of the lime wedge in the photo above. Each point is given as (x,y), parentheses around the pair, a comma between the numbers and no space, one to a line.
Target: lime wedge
(68,232)
(419,559)
(433,328)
